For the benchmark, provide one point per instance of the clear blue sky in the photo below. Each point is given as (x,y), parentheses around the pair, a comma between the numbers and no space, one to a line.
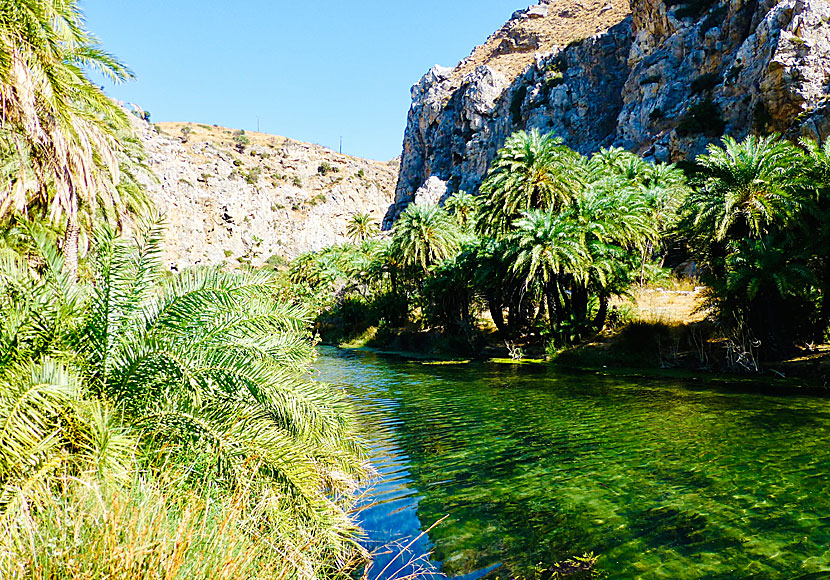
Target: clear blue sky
(311,71)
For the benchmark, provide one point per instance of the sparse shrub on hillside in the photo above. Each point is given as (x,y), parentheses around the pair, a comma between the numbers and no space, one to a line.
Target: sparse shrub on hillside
(296,181)
(237,163)
(361,174)
(656,114)
(186,131)
(705,83)
(325,168)
(317,200)
(704,118)
(241,140)
(253,175)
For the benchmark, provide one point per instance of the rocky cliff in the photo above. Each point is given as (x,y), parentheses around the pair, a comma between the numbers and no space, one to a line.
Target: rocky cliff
(663,78)
(230,196)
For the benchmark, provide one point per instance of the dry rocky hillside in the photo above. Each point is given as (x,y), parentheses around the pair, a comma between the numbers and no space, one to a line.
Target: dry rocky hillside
(237,197)
(540,29)
(664,78)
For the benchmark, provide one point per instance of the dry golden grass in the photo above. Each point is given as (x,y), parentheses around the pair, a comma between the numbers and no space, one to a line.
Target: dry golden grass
(567,21)
(676,303)
(146,532)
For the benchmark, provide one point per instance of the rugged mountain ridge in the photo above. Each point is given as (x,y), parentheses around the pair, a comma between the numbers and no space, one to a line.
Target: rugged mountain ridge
(235,197)
(664,80)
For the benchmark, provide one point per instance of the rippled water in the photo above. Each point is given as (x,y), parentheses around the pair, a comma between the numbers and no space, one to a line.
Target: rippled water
(532,465)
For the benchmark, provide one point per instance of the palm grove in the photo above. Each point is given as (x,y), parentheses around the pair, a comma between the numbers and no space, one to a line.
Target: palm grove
(553,235)
(164,426)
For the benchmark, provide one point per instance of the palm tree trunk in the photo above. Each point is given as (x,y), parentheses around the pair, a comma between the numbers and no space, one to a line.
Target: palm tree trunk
(554,307)
(497,314)
(71,242)
(824,313)
(602,314)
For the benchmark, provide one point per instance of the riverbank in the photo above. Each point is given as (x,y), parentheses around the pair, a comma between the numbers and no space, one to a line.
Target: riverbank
(654,332)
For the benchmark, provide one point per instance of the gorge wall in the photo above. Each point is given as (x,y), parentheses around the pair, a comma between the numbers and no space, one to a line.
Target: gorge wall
(235,197)
(661,78)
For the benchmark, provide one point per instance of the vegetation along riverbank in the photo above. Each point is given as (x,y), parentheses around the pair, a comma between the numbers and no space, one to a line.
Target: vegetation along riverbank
(160,413)
(571,257)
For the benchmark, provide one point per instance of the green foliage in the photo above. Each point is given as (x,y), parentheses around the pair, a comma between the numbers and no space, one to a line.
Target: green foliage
(129,377)
(241,140)
(703,117)
(325,168)
(705,83)
(753,224)
(464,207)
(296,181)
(253,175)
(423,236)
(532,171)
(59,128)
(360,227)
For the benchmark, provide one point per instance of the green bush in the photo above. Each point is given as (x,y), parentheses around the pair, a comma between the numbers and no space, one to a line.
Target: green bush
(704,118)
(325,168)
(253,175)
(705,83)
(143,409)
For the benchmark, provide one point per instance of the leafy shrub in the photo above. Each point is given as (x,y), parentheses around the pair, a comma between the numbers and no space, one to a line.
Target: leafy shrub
(241,140)
(253,175)
(325,168)
(296,181)
(703,117)
(705,83)
(656,114)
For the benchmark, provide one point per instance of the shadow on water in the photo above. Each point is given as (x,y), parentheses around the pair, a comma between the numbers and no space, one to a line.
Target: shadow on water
(532,465)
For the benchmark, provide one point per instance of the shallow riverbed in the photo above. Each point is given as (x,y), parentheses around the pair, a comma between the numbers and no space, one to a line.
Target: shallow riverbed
(658,478)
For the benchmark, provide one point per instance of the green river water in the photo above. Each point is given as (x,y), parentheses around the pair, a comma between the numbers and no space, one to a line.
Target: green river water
(530,464)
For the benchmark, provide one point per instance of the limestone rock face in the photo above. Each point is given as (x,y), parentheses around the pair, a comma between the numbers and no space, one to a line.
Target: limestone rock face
(664,79)
(229,201)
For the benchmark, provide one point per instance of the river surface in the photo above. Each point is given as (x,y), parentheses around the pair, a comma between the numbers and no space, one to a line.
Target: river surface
(529,465)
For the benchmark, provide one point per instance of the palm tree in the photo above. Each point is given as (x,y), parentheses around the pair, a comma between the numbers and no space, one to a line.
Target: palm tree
(58,129)
(464,207)
(531,171)
(815,224)
(746,187)
(547,247)
(360,227)
(423,236)
(207,371)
